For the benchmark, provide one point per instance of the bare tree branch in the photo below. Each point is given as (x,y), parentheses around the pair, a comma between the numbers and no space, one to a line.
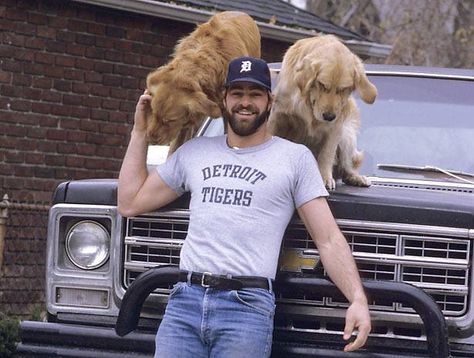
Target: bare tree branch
(349,14)
(432,32)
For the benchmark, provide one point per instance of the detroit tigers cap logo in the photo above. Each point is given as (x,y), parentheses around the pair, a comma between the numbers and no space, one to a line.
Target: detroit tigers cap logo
(246,66)
(249,69)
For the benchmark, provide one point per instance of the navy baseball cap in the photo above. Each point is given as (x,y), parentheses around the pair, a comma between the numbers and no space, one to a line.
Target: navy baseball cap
(249,69)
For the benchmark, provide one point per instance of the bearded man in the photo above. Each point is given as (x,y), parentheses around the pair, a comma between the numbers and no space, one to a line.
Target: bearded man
(245,187)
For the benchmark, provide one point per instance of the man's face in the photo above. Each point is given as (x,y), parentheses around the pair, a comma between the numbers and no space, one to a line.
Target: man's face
(247,107)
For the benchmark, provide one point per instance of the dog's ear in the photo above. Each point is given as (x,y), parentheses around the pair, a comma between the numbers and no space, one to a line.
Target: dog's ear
(306,73)
(203,105)
(367,91)
(214,109)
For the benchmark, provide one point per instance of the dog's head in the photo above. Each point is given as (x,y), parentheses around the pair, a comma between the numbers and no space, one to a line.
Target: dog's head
(176,104)
(327,81)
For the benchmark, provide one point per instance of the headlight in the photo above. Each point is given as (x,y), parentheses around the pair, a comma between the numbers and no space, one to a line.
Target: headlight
(87,245)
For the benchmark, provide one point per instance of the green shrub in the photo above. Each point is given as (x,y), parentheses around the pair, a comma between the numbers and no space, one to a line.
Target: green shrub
(9,335)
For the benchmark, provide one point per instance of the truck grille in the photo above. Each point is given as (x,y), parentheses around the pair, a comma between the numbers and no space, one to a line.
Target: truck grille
(434,259)
(153,241)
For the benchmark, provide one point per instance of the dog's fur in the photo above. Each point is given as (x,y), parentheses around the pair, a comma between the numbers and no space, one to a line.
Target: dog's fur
(189,88)
(313,105)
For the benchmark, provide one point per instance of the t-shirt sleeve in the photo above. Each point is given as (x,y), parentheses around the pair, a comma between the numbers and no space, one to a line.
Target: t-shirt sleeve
(309,183)
(172,173)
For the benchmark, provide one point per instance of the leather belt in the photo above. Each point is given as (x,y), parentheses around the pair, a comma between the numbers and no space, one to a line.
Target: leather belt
(222,282)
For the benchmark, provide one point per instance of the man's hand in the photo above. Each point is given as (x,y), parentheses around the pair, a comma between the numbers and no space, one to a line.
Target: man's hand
(138,191)
(357,317)
(142,112)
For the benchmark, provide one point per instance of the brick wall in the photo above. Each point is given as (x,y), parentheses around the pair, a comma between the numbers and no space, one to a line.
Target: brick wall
(70,78)
(70,75)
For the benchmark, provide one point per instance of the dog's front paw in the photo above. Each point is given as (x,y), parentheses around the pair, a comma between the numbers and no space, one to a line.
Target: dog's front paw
(357,180)
(329,183)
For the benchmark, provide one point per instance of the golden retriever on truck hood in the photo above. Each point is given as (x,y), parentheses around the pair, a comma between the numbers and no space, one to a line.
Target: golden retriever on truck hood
(188,89)
(314,106)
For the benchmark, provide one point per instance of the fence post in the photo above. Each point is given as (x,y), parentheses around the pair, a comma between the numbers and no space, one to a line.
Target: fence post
(3,225)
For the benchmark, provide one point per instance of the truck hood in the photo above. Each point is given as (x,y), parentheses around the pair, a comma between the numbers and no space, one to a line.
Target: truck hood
(376,203)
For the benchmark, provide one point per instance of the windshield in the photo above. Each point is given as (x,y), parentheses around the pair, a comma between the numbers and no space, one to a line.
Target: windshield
(414,122)
(418,122)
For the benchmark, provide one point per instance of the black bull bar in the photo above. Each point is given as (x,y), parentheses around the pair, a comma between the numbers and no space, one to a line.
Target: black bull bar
(432,317)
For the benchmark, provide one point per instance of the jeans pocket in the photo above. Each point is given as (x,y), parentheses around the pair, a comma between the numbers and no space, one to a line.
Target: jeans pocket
(177,288)
(259,300)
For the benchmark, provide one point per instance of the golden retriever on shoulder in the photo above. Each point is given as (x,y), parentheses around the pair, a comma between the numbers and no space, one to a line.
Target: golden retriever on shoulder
(188,89)
(313,105)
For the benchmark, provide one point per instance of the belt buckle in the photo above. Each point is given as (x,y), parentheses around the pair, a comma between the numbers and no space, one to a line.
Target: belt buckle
(203,278)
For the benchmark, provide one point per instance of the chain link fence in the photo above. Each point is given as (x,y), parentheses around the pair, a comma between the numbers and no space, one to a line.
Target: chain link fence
(23,232)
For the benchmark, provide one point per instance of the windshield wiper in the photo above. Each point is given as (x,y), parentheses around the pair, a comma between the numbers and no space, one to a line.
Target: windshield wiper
(427,168)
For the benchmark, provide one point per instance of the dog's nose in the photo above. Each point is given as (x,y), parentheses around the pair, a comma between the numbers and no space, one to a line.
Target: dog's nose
(328,116)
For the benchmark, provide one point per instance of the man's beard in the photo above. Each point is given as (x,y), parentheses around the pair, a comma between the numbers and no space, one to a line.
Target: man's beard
(245,128)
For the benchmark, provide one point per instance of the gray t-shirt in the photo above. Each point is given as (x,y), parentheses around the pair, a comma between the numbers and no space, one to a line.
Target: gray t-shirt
(241,201)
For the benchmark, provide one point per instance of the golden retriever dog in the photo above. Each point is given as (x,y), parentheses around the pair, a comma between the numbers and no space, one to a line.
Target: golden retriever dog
(314,106)
(189,88)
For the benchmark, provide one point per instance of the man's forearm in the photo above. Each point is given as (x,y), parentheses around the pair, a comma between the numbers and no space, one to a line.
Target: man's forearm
(133,171)
(341,267)
(333,248)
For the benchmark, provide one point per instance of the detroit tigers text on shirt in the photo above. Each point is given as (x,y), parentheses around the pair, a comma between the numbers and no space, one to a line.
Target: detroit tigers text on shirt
(226,196)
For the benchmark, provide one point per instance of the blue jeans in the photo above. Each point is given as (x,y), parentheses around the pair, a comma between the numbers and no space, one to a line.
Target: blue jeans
(207,322)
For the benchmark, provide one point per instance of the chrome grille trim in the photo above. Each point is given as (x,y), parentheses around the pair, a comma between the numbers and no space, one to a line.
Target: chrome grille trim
(402,228)
(436,259)
(369,257)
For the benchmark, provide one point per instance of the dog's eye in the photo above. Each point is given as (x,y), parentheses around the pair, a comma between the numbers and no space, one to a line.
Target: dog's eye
(344,91)
(323,88)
